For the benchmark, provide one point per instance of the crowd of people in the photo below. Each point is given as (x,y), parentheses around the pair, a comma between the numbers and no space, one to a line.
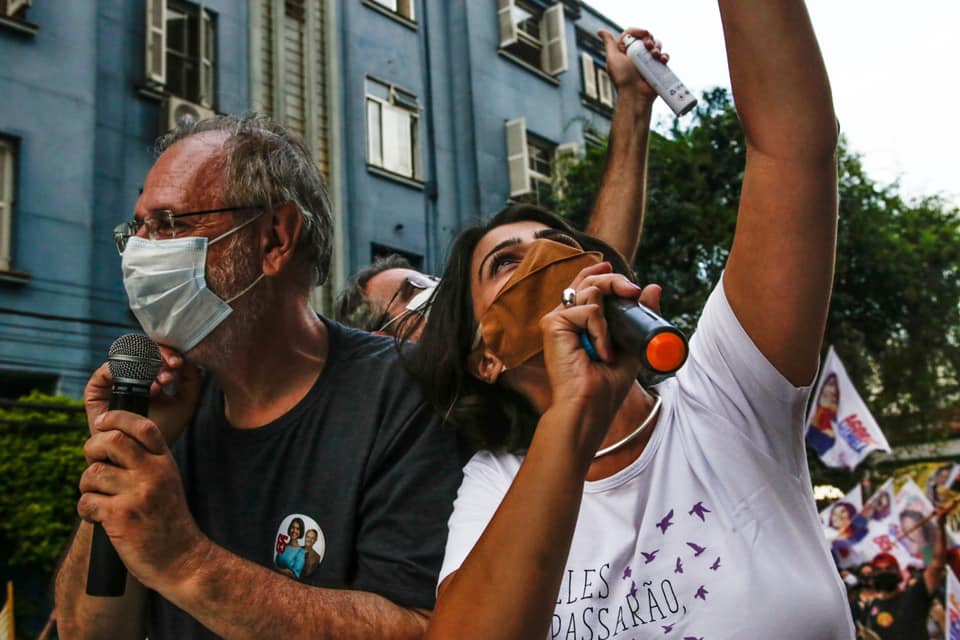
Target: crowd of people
(307,478)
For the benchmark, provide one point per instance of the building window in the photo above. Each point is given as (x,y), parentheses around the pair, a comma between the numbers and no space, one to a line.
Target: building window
(181,40)
(16,384)
(596,82)
(403,8)
(532,35)
(540,168)
(393,117)
(8,161)
(531,162)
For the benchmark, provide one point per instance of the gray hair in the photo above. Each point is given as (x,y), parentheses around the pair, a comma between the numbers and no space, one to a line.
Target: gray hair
(269,164)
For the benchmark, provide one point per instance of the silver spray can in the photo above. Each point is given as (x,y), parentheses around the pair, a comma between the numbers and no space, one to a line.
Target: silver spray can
(660,77)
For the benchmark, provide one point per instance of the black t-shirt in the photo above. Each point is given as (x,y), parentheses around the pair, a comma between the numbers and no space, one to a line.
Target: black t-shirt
(901,617)
(350,489)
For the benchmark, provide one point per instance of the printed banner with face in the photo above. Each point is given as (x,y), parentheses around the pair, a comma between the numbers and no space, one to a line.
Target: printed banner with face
(838,516)
(912,508)
(953,606)
(874,530)
(932,477)
(840,428)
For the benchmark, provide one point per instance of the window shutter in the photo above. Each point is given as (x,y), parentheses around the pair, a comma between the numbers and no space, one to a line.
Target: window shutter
(6,203)
(565,155)
(294,76)
(415,146)
(589,75)
(206,58)
(405,8)
(374,134)
(517,157)
(554,52)
(157,41)
(262,57)
(606,90)
(508,29)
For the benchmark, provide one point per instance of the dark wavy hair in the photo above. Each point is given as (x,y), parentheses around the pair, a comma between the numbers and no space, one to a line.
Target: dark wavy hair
(488,416)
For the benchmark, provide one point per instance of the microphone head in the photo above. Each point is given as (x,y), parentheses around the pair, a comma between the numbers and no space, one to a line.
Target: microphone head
(135,359)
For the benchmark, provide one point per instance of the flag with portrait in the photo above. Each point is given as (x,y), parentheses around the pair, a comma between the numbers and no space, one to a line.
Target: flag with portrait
(953,606)
(874,530)
(916,529)
(840,428)
(836,517)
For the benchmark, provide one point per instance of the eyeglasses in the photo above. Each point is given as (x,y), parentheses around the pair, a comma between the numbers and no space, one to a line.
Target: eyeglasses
(162,225)
(419,294)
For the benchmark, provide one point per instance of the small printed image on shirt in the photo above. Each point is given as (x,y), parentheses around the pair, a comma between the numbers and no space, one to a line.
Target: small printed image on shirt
(299,546)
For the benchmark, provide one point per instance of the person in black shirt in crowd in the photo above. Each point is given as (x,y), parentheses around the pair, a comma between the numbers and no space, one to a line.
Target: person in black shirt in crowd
(901,614)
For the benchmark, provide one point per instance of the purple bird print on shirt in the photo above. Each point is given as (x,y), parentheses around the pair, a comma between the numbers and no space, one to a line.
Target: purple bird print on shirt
(692,638)
(716,564)
(679,567)
(648,557)
(633,588)
(627,573)
(666,522)
(697,549)
(701,593)
(667,628)
(698,510)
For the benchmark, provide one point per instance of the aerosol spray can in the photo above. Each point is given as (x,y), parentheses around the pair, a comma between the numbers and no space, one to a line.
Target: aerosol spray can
(660,77)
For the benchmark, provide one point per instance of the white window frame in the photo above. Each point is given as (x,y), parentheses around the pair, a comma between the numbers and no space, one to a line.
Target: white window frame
(589,69)
(604,87)
(156,48)
(536,176)
(398,105)
(8,160)
(552,43)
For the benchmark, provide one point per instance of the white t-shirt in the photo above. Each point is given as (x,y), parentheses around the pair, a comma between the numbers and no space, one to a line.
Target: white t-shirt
(712,533)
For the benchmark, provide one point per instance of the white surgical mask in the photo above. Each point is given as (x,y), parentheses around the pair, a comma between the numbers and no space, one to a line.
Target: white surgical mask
(166,283)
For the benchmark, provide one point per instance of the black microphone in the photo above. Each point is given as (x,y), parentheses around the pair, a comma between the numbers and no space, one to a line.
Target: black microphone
(134,362)
(636,329)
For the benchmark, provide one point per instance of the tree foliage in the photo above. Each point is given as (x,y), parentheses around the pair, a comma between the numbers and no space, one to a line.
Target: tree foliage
(39,470)
(895,314)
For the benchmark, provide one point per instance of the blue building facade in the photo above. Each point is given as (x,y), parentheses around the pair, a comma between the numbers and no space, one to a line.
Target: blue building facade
(483,96)
(424,115)
(79,114)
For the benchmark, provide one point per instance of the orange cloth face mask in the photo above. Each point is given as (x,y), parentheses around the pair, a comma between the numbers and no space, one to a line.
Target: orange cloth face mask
(510,327)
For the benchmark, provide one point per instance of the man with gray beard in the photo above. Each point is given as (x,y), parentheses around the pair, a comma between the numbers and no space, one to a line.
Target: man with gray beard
(301,424)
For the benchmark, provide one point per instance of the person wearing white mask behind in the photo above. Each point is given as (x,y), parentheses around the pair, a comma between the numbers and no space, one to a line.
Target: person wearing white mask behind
(299,420)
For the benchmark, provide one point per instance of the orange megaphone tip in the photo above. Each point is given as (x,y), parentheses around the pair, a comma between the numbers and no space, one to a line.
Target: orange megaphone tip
(666,352)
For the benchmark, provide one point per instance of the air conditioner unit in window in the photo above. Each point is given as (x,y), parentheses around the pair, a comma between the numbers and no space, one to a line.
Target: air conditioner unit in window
(177,110)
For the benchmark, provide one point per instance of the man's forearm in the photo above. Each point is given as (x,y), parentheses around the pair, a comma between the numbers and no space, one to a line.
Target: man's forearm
(83,616)
(236,598)
(617,215)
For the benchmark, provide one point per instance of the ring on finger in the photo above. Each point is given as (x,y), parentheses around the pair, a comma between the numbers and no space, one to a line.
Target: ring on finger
(568,297)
